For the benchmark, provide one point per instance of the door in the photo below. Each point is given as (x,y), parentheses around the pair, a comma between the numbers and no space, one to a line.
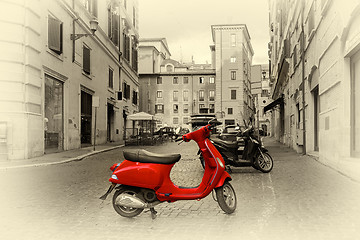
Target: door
(110,122)
(86,118)
(316,99)
(53,115)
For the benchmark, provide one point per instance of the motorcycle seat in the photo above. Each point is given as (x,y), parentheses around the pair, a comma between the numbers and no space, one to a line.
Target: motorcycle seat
(144,156)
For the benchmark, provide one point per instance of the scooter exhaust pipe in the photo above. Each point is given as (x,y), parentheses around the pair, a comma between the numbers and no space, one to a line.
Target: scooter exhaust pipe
(127,200)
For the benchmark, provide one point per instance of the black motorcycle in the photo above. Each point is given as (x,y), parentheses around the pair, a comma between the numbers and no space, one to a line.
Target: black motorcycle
(243,149)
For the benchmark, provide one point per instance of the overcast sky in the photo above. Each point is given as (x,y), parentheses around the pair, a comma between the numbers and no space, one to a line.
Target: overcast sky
(186,25)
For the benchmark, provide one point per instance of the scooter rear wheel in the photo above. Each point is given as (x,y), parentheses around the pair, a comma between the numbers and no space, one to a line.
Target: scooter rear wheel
(226,198)
(126,211)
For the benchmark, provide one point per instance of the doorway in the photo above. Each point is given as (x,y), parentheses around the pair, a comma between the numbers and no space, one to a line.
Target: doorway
(316,99)
(110,122)
(53,115)
(86,118)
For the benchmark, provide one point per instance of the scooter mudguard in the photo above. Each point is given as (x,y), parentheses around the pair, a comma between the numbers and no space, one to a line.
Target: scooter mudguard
(143,175)
(224,177)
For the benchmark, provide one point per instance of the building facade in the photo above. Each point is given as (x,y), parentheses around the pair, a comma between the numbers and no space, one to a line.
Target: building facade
(260,90)
(314,53)
(173,91)
(62,90)
(232,52)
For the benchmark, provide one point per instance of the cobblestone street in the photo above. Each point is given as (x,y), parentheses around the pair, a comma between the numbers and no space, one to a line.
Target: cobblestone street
(299,199)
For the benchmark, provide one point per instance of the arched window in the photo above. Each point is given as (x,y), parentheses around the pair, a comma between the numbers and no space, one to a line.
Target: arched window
(169,68)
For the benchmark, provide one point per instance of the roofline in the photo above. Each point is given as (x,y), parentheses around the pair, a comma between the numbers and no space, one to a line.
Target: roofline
(232,25)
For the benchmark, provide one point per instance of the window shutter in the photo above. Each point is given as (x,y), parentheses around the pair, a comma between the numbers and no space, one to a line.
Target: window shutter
(128,92)
(109,23)
(86,60)
(54,34)
(115,29)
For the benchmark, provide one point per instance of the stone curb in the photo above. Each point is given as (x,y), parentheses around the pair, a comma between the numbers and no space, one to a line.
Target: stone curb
(78,158)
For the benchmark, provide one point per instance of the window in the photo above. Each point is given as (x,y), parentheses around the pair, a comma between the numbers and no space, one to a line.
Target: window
(186,80)
(176,108)
(185,120)
(91,7)
(211,108)
(264,93)
(233,59)
(233,40)
(86,59)
(175,96)
(134,17)
(186,108)
(186,95)
(202,108)
(55,35)
(134,53)
(295,57)
(159,94)
(233,94)
(233,75)
(230,111)
(169,68)
(159,108)
(298,116)
(201,95)
(111,78)
(201,80)
(113,23)
(126,90)
(229,122)
(159,80)
(135,98)
(212,95)
(212,80)
(175,80)
(126,46)
(175,120)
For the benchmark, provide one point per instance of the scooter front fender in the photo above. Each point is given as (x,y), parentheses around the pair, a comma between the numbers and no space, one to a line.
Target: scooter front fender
(225,177)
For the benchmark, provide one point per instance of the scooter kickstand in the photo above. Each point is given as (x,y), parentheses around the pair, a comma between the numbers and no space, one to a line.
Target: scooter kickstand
(153,213)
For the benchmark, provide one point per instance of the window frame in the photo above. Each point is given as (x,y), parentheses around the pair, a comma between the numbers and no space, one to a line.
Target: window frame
(52,27)
(233,91)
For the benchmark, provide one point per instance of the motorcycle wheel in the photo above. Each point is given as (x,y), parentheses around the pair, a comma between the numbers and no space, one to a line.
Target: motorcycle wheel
(264,164)
(226,198)
(126,211)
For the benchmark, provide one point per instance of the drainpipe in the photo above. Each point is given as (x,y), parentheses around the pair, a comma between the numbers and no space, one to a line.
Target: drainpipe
(303,78)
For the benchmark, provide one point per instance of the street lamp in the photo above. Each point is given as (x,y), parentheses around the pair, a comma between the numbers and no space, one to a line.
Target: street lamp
(93,27)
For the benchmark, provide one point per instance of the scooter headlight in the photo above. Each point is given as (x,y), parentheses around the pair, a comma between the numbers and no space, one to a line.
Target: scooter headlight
(114,177)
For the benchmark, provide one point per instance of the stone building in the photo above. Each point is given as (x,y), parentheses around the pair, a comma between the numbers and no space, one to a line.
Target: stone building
(55,80)
(232,56)
(173,91)
(314,53)
(260,90)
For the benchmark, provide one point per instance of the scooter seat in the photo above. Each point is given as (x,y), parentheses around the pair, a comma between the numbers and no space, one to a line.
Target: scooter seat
(227,144)
(144,156)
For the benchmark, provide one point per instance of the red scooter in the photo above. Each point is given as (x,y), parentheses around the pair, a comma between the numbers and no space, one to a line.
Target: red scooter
(144,178)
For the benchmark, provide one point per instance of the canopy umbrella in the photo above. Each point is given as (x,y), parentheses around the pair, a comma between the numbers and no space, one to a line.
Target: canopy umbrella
(141,116)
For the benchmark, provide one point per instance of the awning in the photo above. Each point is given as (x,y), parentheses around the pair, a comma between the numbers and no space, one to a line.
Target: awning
(278,101)
(141,116)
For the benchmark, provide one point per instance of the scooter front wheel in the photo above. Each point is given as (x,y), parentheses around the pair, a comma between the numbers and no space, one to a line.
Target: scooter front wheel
(226,198)
(264,162)
(122,210)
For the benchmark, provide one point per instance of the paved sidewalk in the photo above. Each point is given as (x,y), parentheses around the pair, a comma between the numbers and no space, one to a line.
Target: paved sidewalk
(59,157)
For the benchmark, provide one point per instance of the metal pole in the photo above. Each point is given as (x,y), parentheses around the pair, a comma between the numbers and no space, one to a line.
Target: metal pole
(95,129)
